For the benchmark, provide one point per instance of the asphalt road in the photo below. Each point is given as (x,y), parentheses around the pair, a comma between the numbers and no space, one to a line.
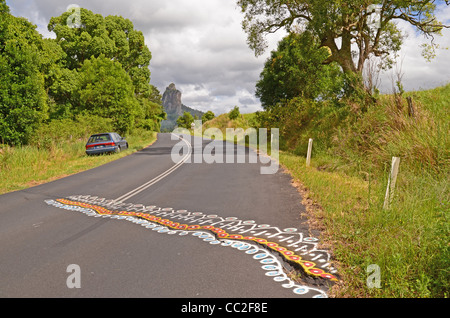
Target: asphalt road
(133,257)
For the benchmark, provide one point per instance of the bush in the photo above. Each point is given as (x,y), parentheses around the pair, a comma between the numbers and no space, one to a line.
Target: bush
(185,121)
(234,113)
(209,115)
(59,131)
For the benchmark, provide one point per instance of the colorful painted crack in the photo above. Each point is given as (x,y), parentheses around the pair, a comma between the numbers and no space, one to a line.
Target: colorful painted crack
(308,266)
(270,263)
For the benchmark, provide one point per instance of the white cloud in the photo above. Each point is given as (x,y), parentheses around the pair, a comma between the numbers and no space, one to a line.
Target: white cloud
(194,43)
(200,46)
(418,73)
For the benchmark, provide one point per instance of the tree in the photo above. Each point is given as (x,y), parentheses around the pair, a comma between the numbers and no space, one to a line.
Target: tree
(114,38)
(185,121)
(296,69)
(208,116)
(353,30)
(106,90)
(234,113)
(23,100)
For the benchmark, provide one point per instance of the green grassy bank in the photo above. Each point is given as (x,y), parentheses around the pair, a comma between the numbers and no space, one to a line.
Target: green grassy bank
(58,150)
(347,179)
(345,186)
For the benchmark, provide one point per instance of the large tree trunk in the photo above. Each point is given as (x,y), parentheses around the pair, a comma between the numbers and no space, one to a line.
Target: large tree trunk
(343,56)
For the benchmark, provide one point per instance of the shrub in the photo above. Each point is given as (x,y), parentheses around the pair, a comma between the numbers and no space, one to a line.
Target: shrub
(209,115)
(234,113)
(59,131)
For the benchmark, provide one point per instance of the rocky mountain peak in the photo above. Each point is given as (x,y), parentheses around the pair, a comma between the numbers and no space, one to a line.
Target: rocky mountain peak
(171,100)
(174,108)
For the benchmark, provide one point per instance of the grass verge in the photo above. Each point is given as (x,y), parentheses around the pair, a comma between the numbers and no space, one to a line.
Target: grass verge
(26,166)
(345,185)
(409,242)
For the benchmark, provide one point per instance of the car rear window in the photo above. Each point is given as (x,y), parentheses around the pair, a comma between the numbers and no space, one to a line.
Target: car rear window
(99,138)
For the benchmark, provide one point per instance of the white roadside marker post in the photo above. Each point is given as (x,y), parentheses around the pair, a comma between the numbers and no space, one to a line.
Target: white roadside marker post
(308,155)
(391,182)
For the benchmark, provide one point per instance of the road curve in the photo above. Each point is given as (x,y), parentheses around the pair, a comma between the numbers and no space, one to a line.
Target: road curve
(75,220)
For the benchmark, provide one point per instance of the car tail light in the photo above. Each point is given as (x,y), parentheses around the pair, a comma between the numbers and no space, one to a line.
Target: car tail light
(102,144)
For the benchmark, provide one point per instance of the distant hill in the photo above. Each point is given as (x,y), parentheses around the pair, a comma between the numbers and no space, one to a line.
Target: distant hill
(223,121)
(174,108)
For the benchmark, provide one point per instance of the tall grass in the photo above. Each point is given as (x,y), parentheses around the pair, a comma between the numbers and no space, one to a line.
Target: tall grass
(409,241)
(346,184)
(57,150)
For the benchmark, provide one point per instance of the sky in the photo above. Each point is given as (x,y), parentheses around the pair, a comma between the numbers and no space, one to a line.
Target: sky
(199,45)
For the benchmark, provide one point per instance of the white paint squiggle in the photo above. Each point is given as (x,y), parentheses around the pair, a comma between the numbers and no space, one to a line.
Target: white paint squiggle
(270,263)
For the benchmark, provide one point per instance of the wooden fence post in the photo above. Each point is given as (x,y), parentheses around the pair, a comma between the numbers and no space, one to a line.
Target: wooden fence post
(391,182)
(308,155)
(410,107)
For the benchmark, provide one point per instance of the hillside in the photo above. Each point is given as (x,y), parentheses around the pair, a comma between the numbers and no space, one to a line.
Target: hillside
(344,188)
(223,122)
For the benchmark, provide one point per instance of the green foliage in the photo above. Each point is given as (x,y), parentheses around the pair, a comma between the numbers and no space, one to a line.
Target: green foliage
(342,26)
(185,121)
(112,36)
(106,90)
(99,69)
(209,115)
(57,132)
(105,56)
(234,113)
(23,103)
(299,119)
(45,160)
(296,69)
(3,7)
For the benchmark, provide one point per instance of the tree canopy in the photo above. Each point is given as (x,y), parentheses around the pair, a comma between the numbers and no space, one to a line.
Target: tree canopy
(353,30)
(99,67)
(296,69)
(23,101)
(185,121)
(112,36)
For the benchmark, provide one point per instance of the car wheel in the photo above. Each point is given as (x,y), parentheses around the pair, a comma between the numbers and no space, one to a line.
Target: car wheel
(118,149)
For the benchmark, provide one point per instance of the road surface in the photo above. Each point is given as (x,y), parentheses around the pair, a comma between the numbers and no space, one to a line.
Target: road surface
(187,230)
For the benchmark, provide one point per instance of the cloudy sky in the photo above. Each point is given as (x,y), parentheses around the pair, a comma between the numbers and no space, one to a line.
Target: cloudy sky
(200,46)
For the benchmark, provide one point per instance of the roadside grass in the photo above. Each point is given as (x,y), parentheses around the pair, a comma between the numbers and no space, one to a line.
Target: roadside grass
(410,241)
(26,166)
(345,186)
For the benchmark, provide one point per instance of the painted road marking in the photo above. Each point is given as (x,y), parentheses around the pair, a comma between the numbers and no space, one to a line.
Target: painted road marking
(165,220)
(270,263)
(148,184)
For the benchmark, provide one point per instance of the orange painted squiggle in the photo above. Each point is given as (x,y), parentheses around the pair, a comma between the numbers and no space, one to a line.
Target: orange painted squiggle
(307,266)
